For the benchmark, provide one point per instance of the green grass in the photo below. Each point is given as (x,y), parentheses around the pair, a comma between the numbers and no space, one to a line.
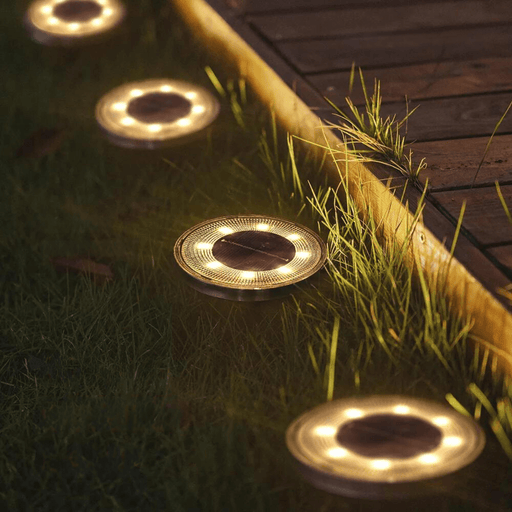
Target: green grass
(370,138)
(142,394)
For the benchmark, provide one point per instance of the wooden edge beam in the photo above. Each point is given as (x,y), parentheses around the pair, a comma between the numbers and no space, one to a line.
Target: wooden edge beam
(392,207)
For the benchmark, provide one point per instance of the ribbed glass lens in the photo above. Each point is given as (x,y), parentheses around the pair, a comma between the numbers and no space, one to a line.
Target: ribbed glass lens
(154,112)
(384,439)
(250,252)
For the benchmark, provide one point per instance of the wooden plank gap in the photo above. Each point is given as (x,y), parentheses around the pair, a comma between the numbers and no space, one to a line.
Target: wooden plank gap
(421,81)
(452,164)
(282,6)
(398,49)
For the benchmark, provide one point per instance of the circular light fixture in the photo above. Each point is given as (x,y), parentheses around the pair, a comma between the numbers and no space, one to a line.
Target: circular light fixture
(66,22)
(248,257)
(382,446)
(155,113)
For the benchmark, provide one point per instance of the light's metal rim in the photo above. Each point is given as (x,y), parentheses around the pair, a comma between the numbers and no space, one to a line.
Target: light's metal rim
(311,440)
(126,131)
(298,235)
(47,29)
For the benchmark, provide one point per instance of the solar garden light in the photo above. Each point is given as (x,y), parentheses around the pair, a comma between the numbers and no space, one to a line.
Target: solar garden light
(67,22)
(155,113)
(248,257)
(382,446)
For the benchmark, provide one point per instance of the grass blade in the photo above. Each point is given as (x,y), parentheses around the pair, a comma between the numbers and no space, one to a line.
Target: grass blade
(489,142)
(332,362)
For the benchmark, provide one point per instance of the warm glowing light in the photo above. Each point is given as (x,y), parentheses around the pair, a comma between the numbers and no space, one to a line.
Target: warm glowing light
(325,430)
(337,453)
(354,413)
(380,464)
(452,441)
(302,254)
(441,421)
(249,278)
(119,106)
(127,121)
(184,121)
(428,458)
(214,264)
(293,237)
(45,25)
(311,437)
(154,133)
(190,95)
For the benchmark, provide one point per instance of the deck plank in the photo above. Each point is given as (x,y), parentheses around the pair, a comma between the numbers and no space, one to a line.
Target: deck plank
(484,217)
(316,56)
(379,19)
(253,6)
(430,80)
(447,118)
(457,117)
(503,254)
(453,163)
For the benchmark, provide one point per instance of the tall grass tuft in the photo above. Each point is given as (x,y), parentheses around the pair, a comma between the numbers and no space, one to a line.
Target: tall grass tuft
(381,295)
(371,138)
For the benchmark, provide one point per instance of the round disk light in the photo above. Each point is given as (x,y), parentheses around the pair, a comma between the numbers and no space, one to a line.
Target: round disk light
(250,257)
(69,21)
(381,446)
(155,113)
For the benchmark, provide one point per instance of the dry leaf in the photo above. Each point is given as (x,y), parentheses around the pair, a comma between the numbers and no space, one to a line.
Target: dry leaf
(42,142)
(98,271)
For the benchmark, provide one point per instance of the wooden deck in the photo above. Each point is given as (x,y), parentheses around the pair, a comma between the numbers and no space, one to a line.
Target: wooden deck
(452,58)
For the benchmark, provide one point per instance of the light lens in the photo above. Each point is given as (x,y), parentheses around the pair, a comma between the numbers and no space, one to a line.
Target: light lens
(252,252)
(341,427)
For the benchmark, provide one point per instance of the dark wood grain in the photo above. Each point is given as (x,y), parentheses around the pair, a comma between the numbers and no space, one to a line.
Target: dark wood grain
(503,254)
(430,80)
(449,118)
(379,19)
(398,49)
(453,163)
(456,117)
(282,5)
(484,217)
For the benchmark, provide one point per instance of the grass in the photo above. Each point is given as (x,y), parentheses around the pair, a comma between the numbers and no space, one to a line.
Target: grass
(141,394)
(370,138)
